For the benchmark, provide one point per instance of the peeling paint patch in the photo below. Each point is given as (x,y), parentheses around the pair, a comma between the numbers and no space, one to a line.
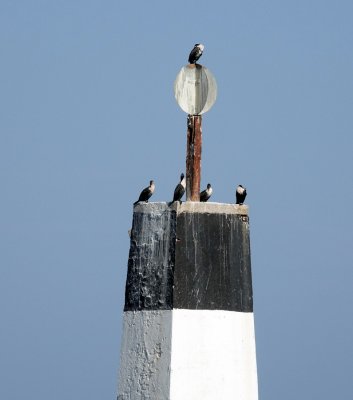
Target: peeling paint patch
(145,356)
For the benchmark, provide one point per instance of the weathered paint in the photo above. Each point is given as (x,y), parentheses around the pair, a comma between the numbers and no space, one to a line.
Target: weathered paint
(195,89)
(149,283)
(213,356)
(189,256)
(212,259)
(145,356)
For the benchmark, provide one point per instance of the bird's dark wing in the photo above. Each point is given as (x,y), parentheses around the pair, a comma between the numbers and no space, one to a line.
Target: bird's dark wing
(203,195)
(145,194)
(193,55)
(238,197)
(178,192)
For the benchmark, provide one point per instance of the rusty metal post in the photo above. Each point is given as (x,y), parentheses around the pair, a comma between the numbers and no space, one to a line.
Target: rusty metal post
(193,158)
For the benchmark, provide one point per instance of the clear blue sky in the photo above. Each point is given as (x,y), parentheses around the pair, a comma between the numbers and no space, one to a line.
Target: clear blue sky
(88,117)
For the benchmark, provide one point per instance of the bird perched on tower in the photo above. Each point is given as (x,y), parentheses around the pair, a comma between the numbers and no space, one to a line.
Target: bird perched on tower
(146,193)
(206,194)
(196,53)
(240,194)
(180,189)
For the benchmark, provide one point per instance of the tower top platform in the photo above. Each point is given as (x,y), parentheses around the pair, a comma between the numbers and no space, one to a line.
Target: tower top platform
(193,207)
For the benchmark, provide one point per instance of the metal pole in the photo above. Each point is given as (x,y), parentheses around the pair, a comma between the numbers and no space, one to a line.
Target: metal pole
(193,158)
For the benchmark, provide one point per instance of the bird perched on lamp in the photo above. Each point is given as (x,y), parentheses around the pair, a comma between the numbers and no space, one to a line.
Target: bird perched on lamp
(196,53)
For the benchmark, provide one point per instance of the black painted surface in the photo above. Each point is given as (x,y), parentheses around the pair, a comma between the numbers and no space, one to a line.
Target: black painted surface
(213,267)
(188,261)
(149,283)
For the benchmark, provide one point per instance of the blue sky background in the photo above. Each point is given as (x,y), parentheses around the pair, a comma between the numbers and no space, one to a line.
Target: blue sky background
(88,117)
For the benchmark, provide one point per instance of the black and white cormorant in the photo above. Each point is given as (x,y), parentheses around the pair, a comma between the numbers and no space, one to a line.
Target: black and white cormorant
(180,189)
(196,53)
(146,193)
(206,194)
(240,194)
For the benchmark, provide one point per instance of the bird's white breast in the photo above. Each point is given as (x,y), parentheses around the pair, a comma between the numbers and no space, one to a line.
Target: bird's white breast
(240,190)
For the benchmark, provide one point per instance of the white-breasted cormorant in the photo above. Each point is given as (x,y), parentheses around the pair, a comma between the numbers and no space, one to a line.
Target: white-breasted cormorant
(196,53)
(240,194)
(206,194)
(146,193)
(180,189)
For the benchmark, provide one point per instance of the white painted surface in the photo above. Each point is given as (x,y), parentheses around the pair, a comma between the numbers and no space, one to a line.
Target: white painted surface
(213,356)
(188,355)
(145,356)
(195,89)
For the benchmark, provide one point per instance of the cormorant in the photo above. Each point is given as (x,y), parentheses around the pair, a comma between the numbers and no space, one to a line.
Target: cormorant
(196,53)
(180,189)
(206,194)
(146,193)
(240,194)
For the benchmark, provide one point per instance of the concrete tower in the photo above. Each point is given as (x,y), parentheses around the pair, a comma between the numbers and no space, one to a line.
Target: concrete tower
(188,328)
